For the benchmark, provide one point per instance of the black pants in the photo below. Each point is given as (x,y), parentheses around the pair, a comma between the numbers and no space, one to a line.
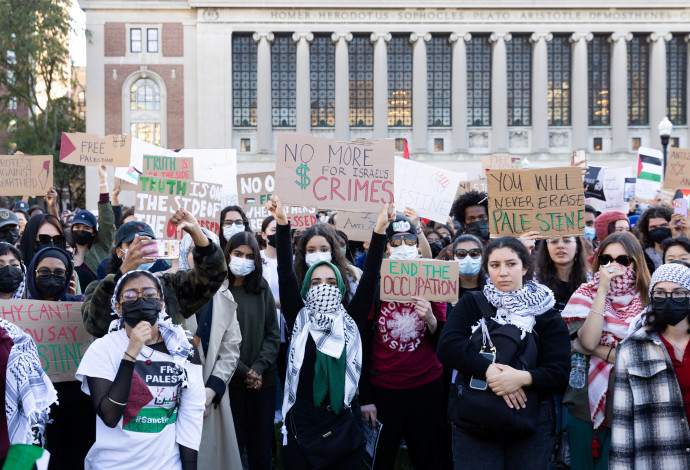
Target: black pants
(73,430)
(415,415)
(252,412)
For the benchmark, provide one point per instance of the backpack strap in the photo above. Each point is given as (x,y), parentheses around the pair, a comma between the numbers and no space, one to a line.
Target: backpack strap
(483,304)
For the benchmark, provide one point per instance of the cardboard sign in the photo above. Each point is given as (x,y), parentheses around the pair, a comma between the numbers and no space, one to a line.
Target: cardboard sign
(358,226)
(500,161)
(434,280)
(629,189)
(319,172)
(428,189)
(25,175)
(58,331)
(677,174)
(549,200)
(90,150)
(181,168)
(472,185)
(594,183)
(159,198)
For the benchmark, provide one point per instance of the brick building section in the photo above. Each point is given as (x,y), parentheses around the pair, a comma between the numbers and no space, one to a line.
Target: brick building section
(115,43)
(173,40)
(175,99)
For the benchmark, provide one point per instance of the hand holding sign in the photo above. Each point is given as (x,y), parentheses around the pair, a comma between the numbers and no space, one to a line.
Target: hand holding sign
(423,309)
(529,239)
(277,210)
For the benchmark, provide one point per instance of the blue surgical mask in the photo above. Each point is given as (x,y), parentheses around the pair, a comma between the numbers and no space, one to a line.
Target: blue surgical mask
(469,266)
(145,266)
(313,258)
(590,233)
(343,249)
(241,267)
(230,230)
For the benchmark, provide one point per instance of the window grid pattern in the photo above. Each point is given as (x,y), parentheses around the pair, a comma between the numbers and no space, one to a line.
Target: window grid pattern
(559,81)
(638,81)
(283,81)
(322,80)
(479,81)
(243,81)
(676,79)
(439,79)
(147,131)
(361,69)
(519,67)
(135,40)
(152,40)
(400,81)
(599,74)
(145,95)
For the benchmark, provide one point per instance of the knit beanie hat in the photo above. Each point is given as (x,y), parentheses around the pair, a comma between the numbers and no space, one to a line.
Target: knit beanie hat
(601,223)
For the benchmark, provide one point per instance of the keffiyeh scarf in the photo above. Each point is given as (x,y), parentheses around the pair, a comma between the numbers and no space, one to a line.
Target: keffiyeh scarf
(622,305)
(19,293)
(520,307)
(332,329)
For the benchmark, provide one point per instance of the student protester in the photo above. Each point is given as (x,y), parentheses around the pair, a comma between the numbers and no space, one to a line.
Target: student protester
(471,209)
(9,227)
(185,292)
(609,222)
(561,266)
(253,386)
(654,228)
(12,272)
(325,358)
(345,247)
(598,315)
(676,249)
(145,382)
(21,210)
(41,231)
(128,215)
(651,399)
(124,237)
(117,208)
(36,210)
(233,220)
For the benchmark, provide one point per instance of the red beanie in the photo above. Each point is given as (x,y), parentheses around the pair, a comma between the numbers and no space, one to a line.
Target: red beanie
(601,223)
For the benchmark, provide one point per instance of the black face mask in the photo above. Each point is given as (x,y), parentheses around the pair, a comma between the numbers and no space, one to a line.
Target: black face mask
(10,236)
(658,235)
(141,309)
(671,311)
(10,278)
(436,247)
(272,240)
(479,229)
(82,237)
(50,286)
(445,241)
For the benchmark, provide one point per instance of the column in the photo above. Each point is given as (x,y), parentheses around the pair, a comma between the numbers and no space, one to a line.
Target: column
(264,137)
(657,83)
(499,92)
(540,92)
(459,91)
(618,92)
(419,91)
(380,42)
(302,87)
(579,90)
(342,85)
(687,94)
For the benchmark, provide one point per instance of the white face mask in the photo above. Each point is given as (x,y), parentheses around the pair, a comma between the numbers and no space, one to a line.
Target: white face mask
(231,230)
(241,267)
(312,258)
(404,251)
(469,266)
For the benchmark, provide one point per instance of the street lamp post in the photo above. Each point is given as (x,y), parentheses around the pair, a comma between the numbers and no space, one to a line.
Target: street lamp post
(665,128)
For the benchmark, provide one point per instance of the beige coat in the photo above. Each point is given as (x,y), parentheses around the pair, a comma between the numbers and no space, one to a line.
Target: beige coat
(218,448)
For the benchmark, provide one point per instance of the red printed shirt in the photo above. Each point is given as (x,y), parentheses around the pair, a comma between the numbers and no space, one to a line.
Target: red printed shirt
(682,369)
(402,355)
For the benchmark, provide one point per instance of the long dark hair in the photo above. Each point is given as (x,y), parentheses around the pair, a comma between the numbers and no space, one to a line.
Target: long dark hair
(27,244)
(7,249)
(114,263)
(546,269)
(337,258)
(633,248)
(253,282)
(247,228)
(656,324)
(515,245)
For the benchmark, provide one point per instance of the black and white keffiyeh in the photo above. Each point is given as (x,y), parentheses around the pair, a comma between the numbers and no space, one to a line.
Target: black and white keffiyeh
(19,293)
(325,319)
(520,307)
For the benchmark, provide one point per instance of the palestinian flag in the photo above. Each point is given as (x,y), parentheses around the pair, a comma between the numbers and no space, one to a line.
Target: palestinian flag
(249,200)
(649,165)
(26,457)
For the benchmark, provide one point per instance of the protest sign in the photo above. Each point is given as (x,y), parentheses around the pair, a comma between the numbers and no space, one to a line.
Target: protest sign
(629,189)
(181,168)
(25,175)
(435,280)
(677,174)
(549,200)
(594,183)
(159,198)
(649,163)
(358,226)
(471,185)
(90,150)
(58,331)
(500,161)
(428,189)
(319,172)
(613,188)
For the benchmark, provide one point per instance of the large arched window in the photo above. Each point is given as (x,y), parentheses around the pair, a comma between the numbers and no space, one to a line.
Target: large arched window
(144,95)
(145,113)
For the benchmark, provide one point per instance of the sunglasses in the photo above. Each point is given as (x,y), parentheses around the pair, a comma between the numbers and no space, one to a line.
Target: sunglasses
(474,253)
(408,239)
(623,260)
(57,239)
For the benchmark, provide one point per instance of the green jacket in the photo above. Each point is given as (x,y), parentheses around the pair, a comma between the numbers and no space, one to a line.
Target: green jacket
(186,292)
(106,234)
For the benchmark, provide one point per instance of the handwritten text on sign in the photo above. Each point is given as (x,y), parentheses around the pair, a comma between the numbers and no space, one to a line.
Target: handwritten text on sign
(677,169)
(25,175)
(57,330)
(358,226)
(91,150)
(550,201)
(159,198)
(319,172)
(434,280)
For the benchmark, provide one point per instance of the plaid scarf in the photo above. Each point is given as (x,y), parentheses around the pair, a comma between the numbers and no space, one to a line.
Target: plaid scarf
(520,307)
(622,305)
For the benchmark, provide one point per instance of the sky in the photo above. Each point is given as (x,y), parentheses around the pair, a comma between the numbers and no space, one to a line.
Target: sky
(78,40)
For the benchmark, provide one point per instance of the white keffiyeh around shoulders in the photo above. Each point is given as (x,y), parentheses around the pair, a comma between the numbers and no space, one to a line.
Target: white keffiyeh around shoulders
(521,307)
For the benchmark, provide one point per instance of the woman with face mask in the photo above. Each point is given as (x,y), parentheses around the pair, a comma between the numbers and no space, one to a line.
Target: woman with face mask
(145,383)
(12,272)
(651,400)
(253,386)
(598,315)
(233,220)
(326,351)
(467,251)
(41,231)
(654,226)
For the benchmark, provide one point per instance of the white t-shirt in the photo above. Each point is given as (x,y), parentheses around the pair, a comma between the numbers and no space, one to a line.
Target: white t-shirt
(159,414)
(270,274)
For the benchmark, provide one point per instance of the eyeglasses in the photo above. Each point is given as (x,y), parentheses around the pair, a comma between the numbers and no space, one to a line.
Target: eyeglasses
(407,238)
(57,239)
(474,253)
(557,241)
(623,260)
(238,223)
(131,295)
(677,295)
(474,218)
(44,271)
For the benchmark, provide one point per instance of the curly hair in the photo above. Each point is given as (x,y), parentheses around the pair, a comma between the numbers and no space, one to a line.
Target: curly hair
(656,211)
(337,257)
(470,198)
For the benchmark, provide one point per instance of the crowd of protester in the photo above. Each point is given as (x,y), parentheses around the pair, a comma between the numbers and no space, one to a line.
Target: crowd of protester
(254,348)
